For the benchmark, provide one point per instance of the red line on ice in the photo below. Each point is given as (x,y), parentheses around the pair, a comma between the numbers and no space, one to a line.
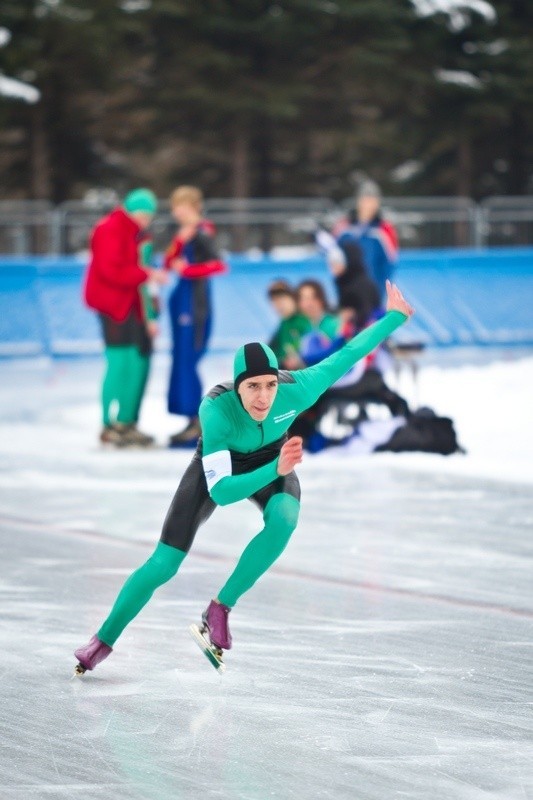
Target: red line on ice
(279,570)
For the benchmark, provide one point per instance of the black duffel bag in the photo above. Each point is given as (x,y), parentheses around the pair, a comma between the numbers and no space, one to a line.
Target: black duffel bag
(424,432)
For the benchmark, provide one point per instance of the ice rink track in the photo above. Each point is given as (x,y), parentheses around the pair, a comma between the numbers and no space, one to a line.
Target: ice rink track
(387,654)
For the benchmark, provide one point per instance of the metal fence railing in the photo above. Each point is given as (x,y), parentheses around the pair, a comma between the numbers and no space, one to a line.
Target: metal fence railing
(241,224)
(26,226)
(434,221)
(37,227)
(507,220)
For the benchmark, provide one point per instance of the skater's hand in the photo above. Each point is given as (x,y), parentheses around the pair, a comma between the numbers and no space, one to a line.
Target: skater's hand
(336,266)
(396,301)
(187,232)
(153,328)
(157,276)
(290,454)
(293,362)
(179,265)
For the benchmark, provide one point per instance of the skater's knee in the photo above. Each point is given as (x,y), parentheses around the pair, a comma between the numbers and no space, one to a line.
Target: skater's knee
(165,562)
(161,572)
(282,514)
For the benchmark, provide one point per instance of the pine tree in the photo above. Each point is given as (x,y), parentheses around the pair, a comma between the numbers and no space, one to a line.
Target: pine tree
(267,97)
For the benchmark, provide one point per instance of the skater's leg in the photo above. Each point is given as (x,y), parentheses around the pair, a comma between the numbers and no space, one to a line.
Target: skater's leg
(190,507)
(134,386)
(140,366)
(138,589)
(281,517)
(143,372)
(114,379)
(119,338)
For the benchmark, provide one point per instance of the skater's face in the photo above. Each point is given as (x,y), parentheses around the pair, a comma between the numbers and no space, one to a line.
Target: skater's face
(284,304)
(186,213)
(367,208)
(257,395)
(310,304)
(142,218)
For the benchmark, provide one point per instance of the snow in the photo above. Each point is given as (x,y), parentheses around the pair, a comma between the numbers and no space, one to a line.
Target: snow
(135,6)
(458,11)
(459,77)
(494,48)
(404,172)
(5,36)
(9,87)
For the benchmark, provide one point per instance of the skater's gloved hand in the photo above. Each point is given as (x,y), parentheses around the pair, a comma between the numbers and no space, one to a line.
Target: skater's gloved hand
(292,361)
(157,276)
(153,328)
(290,454)
(396,301)
(187,232)
(179,265)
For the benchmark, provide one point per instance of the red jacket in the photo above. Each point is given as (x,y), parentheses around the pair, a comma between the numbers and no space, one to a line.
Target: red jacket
(114,274)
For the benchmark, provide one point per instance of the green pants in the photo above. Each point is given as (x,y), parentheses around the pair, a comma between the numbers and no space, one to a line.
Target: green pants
(127,350)
(124,384)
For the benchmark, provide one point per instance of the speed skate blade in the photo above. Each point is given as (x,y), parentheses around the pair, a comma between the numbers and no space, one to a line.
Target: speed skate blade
(206,648)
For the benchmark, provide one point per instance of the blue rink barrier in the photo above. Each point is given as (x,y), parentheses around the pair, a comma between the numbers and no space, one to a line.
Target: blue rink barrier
(462,297)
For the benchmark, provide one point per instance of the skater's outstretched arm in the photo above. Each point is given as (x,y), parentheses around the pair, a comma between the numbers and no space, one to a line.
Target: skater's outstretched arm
(224,487)
(315,380)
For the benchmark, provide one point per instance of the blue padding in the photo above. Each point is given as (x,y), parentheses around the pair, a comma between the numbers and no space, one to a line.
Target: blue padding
(462,297)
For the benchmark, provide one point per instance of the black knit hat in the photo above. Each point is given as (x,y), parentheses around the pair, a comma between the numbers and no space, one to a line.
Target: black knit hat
(253,359)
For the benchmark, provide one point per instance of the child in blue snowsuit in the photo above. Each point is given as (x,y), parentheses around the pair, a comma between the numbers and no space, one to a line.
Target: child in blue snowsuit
(193,256)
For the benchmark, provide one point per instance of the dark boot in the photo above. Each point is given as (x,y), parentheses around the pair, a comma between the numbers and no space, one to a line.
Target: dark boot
(188,437)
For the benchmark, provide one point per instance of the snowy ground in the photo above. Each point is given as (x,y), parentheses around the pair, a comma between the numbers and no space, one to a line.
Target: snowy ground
(386,655)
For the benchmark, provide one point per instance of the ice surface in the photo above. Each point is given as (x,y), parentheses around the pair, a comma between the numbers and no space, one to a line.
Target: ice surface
(386,655)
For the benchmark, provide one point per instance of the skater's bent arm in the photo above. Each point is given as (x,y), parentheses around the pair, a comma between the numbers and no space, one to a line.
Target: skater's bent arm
(204,269)
(224,487)
(315,380)
(231,488)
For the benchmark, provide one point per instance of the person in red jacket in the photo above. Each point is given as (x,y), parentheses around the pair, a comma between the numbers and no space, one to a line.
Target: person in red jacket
(194,257)
(112,288)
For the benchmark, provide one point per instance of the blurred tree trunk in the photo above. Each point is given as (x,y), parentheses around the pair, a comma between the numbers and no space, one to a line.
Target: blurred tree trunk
(240,181)
(263,148)
(40,173)
(40,177)
(518,167)
(464,184)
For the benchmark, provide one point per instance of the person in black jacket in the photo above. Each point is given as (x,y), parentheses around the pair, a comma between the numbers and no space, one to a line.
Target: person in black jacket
(356,291)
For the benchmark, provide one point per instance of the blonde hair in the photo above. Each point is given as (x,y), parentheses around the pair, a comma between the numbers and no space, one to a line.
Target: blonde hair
(187,194)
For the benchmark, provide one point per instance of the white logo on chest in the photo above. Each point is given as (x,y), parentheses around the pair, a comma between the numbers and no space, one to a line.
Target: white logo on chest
(283,417)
